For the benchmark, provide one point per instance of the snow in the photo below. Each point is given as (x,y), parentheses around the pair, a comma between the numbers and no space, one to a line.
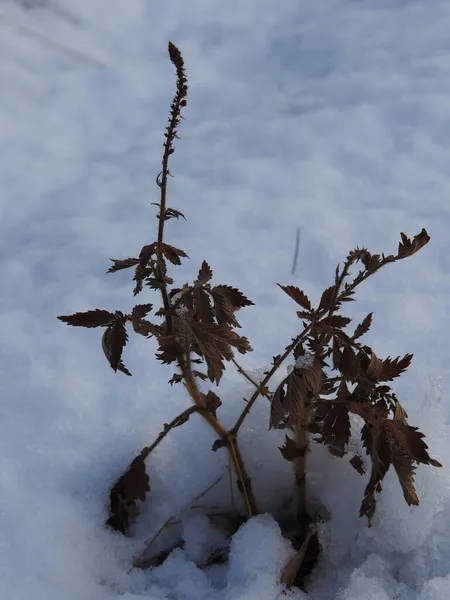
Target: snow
(332,116)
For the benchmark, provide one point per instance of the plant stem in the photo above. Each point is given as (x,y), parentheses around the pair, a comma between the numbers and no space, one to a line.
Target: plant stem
(302,336)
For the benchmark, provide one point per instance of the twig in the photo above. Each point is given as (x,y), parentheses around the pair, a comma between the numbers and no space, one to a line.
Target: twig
(243,372)
(178,420)
(137,562)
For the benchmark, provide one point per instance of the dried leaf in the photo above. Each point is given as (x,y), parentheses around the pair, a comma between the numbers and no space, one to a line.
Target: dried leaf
(409,247)
(141,310)
(145,255)
(339,321)
(201,375)
(133,485)
(213,402)
(234,296)
(224,310)
(120,264)
(145,328)
(358,464)
(349,364)
(381,455)
(336,428)
(169,349)
(205,273)
(278,406)
(176,378)
(363,327)
(172,254)
(400,413)
(328,299)
(394,367)
(297,295)
(409,440)
(375,368)
(303,561)
(404,468)
(172,213)
(290,451)
(90,318)
(114,340)
(203,305)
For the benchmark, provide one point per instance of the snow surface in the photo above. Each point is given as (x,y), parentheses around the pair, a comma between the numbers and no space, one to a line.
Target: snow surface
(332,116)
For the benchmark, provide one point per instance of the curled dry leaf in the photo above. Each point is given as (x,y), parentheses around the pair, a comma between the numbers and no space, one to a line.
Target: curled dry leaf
(358,464)
(408,247)
(297,295)
(90,318)
(132,486)
(120,264)
(234,296)
(303,561)
(290,451)
(114,340)
(141,310)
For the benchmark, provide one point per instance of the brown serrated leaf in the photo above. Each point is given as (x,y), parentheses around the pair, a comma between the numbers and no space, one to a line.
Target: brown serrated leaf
(278,407)
(114,340)
(169,349)
(301,314)
(339,321)
(133,485)
(145,255)
(154,284)
(172,254)
(409,247)
(289,450)
(375,368)
(141,310)
(349,364)
(145,328)
(404,468)
(176,378)
(120,264)
(343,391)
(213,402)
(363,327)
(172,213)
(297,295)
(203,305)
(90,318)
(380,450)
(205,273)
(328,299)
(409,440)
(202,376)
(336,428)
(224,310)
(234,296)
(394,367)
(400,413)
(358,464)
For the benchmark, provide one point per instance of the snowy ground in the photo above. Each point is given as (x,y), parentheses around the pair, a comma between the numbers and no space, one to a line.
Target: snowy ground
(332,116)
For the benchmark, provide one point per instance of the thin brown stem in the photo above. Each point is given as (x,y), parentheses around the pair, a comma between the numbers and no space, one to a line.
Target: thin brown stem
(300,338)
(243,372)
(139,561)
(176,422)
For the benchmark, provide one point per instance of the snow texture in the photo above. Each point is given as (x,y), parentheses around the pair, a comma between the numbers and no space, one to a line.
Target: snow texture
(332,116)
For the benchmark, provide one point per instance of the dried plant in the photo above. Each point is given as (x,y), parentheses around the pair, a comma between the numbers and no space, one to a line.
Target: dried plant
(334,374)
